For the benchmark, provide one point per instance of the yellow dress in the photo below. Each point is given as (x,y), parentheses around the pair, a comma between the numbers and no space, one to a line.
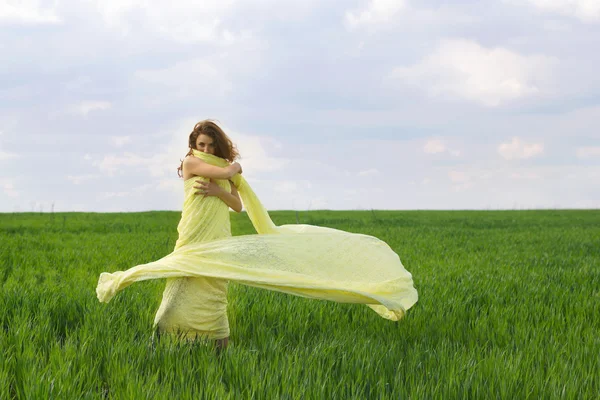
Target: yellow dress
(197,306)
(299,259)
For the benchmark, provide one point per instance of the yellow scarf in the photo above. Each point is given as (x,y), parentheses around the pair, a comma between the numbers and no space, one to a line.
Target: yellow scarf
(256,211)
(299,259)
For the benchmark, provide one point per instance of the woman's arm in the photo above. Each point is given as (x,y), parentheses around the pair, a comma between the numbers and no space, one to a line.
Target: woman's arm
(231,199)
(211,188)
(196,166)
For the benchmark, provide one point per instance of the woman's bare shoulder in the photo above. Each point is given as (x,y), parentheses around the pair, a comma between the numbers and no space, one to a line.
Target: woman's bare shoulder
(188,163)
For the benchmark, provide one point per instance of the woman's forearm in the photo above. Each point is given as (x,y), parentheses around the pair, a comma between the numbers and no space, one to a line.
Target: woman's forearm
(230,200)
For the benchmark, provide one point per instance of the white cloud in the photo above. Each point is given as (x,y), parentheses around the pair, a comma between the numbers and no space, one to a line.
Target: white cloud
(109,195)
(525,175)
(138,190)
(7,156)
(8,187)
(183,21)
(434,146)
(318,203)
(518,149)
(489,76)
(588,152)
(169,185)
(119,141)
(195,78)
(469,177)
(376,12)
(213,22)
(586,10)
(553,25)
(377,15)
(79,179)
(28,12)
(111,163)
(460,180)
(286,187)
(85,107)
(291,186)
(369,172)
(458,176)
(254,152)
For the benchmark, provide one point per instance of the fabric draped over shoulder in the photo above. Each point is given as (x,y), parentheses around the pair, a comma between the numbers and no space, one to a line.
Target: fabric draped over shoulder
(299,259)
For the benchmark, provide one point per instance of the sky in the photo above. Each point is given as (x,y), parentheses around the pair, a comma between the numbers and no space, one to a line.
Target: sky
(342,105)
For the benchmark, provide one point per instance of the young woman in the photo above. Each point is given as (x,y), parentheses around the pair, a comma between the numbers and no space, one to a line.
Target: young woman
(197,307)
(299,259)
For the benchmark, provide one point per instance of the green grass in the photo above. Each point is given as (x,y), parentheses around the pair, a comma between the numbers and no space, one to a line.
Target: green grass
(509,308)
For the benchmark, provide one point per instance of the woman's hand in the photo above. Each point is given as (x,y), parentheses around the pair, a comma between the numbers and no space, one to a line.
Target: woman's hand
(238,166)
(207,188)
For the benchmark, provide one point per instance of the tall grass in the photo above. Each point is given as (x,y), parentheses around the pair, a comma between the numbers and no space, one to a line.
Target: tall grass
(509,308)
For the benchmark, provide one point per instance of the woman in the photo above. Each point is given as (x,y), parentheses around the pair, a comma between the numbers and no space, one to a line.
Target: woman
(197,307)
(299,259)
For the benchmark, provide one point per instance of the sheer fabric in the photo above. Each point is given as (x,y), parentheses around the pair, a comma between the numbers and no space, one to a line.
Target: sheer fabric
(299,259)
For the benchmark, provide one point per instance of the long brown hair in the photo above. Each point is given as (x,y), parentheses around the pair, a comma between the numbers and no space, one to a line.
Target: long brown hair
(224,147)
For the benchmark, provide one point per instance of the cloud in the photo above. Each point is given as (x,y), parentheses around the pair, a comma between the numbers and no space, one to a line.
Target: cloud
(7,156)
(118,141)
(197,78)
(517,149)
(291,186)
(79,179)
(169,185)
(109,195)
(8,187)
(286,187)
(458,176)
(525,175)
(178,20)
(375,13)
(588,152)
(510,186)
(27,12)
(585,10)
(468,177)
(318,203)
(4,155)
(460,180)
(136,191)
(111,163)
(85,107)
(255,154)
(369,172)
(489,76)
(379,15)
(435,146)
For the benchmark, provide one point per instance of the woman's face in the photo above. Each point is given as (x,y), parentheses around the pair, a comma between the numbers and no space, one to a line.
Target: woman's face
(204,143)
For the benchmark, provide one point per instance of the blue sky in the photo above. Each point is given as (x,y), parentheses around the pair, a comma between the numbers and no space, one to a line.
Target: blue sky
(333,104)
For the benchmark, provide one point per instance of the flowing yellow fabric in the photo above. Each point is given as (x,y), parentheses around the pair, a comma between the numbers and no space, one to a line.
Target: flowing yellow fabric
(304,260)
(197,306)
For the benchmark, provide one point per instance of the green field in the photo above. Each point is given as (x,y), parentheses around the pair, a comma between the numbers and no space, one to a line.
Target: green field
(509,308)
